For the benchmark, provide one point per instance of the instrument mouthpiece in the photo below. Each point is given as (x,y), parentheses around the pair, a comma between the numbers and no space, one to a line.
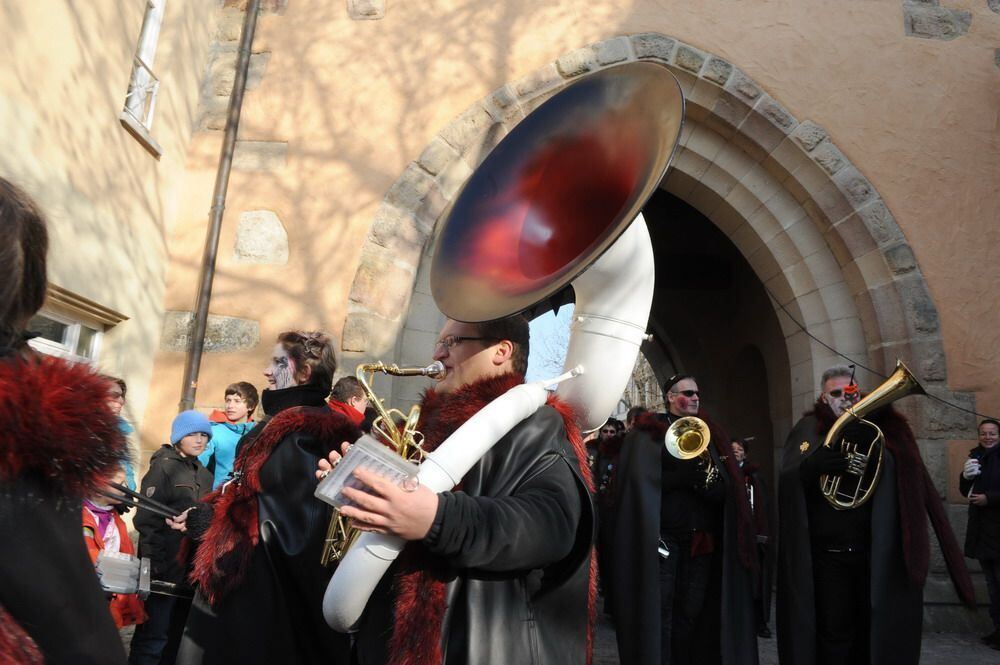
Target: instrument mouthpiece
(436,370)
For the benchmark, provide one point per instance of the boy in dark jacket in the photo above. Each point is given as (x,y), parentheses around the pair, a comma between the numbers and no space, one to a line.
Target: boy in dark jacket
(175,478)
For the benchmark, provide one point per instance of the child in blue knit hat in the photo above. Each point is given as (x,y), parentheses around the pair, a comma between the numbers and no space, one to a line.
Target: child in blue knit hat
(175,478)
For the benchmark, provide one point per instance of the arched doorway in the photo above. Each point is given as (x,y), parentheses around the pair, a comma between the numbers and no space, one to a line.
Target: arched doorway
(809,226)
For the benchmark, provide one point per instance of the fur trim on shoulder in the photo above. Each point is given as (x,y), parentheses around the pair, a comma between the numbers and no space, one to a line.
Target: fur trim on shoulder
(57,425)
(16,646)
(223,556)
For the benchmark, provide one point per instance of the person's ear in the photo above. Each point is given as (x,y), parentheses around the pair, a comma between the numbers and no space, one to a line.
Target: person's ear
(303,374)
(504,352)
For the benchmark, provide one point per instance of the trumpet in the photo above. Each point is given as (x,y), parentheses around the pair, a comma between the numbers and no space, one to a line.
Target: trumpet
(688,438)
(391,427)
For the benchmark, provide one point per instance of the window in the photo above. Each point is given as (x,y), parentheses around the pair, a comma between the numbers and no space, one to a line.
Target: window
(60,335)
(71,326)
(140,101)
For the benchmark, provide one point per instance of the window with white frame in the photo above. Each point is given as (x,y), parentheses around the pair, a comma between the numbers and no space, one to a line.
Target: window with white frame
(65,336)
(140,101)
(71,326)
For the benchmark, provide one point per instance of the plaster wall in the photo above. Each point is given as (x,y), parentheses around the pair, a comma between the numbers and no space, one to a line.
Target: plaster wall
(356,101)
(110,203)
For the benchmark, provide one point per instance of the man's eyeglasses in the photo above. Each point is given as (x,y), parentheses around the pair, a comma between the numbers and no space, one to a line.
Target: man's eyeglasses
(687,393)
(449,342)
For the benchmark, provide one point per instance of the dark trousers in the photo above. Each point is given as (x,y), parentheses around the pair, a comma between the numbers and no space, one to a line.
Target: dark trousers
(843,607)
(991,570)
(762,589)
(155,641)
(683,586)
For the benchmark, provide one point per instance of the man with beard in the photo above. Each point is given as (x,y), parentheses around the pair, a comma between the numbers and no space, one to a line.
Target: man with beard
(850,582)
(497,571)
(261,535)
(682,565)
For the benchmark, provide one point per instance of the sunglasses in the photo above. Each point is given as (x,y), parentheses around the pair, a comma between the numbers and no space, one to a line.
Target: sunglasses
(687,393)
(836,393)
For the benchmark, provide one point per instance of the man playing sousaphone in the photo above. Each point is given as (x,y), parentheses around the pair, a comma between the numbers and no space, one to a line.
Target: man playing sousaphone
(850,579)
(499,570)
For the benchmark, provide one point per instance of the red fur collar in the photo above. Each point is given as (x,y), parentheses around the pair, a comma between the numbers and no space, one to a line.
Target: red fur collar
(223,556)
(16,646)
(421,583)
(917,496)
(57,426)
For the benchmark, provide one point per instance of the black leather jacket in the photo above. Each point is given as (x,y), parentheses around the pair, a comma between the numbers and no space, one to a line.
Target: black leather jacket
(517,539)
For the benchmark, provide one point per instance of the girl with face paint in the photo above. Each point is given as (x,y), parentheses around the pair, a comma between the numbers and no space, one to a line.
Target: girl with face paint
(267,525)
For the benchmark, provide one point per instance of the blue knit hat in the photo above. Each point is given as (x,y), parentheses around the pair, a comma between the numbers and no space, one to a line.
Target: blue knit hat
(189,422)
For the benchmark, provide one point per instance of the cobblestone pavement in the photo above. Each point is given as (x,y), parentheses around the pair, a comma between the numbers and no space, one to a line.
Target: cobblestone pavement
(936,649)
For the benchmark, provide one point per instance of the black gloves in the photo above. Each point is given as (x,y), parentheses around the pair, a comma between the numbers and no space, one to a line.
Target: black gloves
(823,461)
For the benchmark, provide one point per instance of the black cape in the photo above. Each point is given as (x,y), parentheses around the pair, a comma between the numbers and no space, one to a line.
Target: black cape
(896,602)
(635,571)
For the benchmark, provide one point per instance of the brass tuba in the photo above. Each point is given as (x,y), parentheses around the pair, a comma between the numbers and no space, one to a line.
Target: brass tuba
(856,485)
(688,438)
(391,427)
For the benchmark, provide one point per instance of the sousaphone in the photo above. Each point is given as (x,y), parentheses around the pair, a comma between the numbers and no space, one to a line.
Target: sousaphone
(550,208)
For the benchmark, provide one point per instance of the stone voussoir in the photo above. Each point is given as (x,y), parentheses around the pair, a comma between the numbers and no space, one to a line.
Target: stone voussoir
(689,58)
(466,128)
(410,188)
(809,135)
(829,157)
(577,62)
(881,223)
(717,70)
(612,51)
(740,85)
(652,45)
(855,187)
(437,156)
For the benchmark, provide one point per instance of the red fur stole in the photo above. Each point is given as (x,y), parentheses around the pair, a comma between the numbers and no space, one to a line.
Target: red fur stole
(916,495)
(421,584)
(223,556)
(746,530)
(16,646)
(57,426)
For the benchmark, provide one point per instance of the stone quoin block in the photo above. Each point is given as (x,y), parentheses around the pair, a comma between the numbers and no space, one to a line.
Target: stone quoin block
(260,239)
(366,10)
(932,22)
(222,334)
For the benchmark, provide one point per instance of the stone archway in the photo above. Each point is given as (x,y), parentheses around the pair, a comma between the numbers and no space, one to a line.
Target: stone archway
(812,226)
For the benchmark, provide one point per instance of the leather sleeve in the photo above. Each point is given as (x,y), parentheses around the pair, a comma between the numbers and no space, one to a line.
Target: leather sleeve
(534,527)
(149,525)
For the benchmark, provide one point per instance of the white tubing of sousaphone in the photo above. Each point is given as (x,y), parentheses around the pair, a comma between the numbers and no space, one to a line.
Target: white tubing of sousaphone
(613,299)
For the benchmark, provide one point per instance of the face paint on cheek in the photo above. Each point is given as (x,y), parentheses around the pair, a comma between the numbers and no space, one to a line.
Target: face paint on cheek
(283,371)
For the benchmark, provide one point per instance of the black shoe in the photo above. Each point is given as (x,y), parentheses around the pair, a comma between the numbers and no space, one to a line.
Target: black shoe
(992,637)
(764,632)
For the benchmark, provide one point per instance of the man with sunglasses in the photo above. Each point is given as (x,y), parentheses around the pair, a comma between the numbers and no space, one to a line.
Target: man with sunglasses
(498,570)
(684,547)
(850,582)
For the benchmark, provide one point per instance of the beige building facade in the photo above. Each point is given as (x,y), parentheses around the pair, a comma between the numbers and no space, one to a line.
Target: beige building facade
(836,181)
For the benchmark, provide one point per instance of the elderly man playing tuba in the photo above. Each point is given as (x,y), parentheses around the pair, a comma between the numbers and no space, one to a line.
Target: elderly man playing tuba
(851,576)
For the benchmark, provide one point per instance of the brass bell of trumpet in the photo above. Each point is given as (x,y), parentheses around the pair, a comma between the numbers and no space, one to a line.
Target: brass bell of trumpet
(854,487)
(688,438)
